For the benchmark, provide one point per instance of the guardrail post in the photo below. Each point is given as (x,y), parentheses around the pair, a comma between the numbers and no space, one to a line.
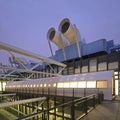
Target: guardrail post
(86,106)
(93,101)
(72,112)
(72,107)
(100,97)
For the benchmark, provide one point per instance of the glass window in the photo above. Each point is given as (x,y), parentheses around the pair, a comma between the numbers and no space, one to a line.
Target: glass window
(66,85)
(102,66)
(116,73)
(91,84)
(116,77)
(0,86)
(3,86)
(77,70)
(60,85)
(102,84)
(85,66)
(73,84)
(93,64)
(116,87)
(45,85)
(70,70)
(84,69)
(54,85)
(113,65)
(82,84)
(44,75)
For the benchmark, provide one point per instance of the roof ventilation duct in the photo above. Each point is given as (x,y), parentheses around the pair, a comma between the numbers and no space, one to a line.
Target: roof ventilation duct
(69,31)
(56,38)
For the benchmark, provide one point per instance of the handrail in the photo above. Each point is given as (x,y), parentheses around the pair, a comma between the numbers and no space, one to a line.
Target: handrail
(83,99)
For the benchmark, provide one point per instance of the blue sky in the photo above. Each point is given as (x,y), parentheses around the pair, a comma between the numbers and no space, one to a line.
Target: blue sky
(24,23)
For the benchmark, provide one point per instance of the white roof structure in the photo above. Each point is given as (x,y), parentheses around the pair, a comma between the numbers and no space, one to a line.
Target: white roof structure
(12,94)
(26,53)
(8,104)
(32,71)
(25,70)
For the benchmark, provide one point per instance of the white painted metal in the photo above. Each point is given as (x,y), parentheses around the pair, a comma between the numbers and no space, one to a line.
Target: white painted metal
(78,45)
(56,38)
(24,70)
(12,94)
(87,77)
(26,53)
(9,74)
(8,104)
(68,30)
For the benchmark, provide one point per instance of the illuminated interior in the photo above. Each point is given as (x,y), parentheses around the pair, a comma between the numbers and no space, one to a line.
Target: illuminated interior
(2,86)
(91,84)
(83,84)
(66,85)
(116,87)
(75,84)
(59,85)
(102,84)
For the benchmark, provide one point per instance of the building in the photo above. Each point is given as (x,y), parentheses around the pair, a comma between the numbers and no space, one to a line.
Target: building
(101,58)
(82,57)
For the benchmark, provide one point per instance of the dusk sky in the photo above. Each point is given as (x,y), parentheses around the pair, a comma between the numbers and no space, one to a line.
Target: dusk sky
(24,23)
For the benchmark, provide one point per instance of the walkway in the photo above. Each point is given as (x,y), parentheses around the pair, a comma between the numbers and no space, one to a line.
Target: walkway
(108,110)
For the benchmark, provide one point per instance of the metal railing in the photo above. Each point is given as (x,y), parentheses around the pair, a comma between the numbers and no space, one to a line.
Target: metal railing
(72,110)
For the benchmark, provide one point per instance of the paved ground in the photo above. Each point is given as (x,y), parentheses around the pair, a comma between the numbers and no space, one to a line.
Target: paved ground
(108,110)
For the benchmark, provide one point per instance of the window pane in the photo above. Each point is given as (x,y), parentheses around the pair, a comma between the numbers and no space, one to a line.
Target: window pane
(73,84)
(116,87)
(102,66)
(82,84)
(113,65)
(60,85)
(102,84)
(91,84)
(66,85)
(77,70)
(93,64)
(84,69)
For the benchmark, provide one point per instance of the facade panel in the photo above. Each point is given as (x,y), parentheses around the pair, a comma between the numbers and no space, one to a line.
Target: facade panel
(93,65)
(102,66)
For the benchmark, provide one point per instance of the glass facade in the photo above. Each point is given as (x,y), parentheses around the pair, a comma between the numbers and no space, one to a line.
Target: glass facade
(96,63)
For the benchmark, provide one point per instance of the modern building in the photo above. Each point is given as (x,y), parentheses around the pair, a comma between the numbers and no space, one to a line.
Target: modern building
(92,68)
(81,57)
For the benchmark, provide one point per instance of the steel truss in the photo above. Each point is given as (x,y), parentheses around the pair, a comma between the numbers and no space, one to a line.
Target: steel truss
(12,49)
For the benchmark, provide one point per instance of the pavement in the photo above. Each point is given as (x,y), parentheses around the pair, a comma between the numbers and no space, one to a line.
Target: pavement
(108,110)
